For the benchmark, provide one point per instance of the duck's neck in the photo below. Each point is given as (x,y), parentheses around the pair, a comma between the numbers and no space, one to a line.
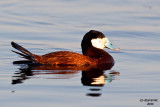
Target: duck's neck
(95,53)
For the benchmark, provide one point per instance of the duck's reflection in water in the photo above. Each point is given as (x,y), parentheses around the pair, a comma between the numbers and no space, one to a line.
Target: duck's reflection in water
(96,79)
(27,72)
(93,77)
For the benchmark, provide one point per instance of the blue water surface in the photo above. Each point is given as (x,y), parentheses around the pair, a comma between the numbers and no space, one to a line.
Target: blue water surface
(44,26)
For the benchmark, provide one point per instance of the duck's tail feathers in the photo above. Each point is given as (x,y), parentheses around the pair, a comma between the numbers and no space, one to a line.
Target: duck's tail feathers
(25,53)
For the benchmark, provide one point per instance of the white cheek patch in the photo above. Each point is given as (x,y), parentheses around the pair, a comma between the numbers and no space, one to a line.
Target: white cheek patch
(99,42)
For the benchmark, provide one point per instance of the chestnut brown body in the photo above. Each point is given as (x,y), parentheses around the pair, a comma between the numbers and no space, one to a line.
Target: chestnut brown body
(91,55)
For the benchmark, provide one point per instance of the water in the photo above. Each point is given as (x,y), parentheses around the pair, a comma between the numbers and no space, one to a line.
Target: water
(45,26)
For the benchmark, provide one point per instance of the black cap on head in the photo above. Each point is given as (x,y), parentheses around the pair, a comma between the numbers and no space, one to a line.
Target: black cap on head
(86,41)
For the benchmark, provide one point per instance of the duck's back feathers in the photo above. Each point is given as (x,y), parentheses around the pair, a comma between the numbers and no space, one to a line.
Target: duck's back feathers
(64,58)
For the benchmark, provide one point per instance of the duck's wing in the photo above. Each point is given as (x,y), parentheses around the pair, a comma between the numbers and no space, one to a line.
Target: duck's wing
(65,58)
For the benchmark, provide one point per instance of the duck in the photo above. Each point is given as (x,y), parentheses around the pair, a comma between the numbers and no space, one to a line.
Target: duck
(93,54)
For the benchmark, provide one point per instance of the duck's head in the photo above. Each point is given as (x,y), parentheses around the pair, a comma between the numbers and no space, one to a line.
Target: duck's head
(96,39)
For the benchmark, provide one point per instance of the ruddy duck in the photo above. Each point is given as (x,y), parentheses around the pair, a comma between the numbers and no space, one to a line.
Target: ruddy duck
(92,46)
